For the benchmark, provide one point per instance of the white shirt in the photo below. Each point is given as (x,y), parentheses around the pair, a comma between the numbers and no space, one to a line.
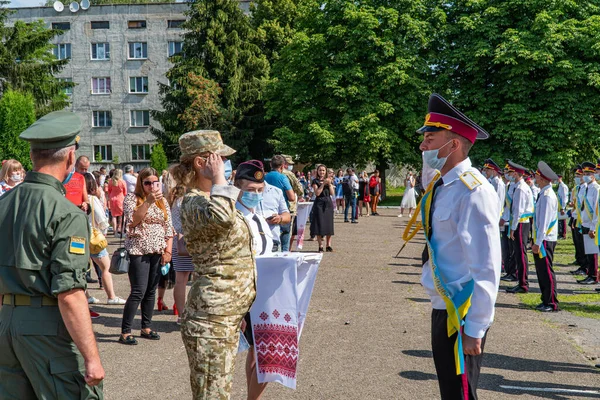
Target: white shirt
(591,200)
(535,191)
(130,182)
(467,245)
(272,203)
(563,195)
(256,235)
(500,189)
(546,210)
(510,191)
(522,203)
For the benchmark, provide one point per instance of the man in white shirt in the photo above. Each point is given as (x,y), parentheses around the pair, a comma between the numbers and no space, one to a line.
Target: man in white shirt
(521,212)
(589,221)
(577,199)
(545,236)
(350,193)
(274,210)
(508,259)
(462,259)
(563,199)
(129,178)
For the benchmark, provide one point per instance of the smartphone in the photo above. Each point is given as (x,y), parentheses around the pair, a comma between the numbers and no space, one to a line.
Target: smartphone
(156,186)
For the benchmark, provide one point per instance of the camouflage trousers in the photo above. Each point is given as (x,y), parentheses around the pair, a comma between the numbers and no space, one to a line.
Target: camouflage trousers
(211,342)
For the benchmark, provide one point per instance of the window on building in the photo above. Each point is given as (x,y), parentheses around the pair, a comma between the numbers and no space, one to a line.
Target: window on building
(138,84)
(100,24)
(138,50)
(68,90)
(140,118)
(100,51)
(136,24)
(140,152)
(105,151)
(63,26)
(175,23)
(101,119)
(62,51)
(101,85)
(174,48)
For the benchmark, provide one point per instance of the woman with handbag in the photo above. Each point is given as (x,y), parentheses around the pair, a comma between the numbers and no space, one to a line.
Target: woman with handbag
(98,243)
(182,262)
(149,241)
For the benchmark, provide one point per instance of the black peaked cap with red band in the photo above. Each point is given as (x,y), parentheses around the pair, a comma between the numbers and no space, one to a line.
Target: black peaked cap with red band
(444,116)
(252,170)
(514,167)
(490,164)
(546,172)
(588,166)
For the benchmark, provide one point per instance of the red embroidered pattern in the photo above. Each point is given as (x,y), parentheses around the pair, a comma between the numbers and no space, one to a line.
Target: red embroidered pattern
(264,316)
(276,349)
(287,318)
(276,314)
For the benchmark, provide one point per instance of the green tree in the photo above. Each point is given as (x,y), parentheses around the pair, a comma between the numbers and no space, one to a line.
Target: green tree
(351,86)
(218,46)
(17,112)
(50,3)
(158,158)
(27,63)
(529,72)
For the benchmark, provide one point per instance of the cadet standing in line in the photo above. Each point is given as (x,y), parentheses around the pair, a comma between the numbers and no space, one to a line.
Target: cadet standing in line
(563,199)
(521,211)
(589,218)
(508,258)
(578,198)
(48,347)
(545,235)
(219,241)
(462,260)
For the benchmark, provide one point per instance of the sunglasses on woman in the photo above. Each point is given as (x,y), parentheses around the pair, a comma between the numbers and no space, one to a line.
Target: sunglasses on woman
(150,183)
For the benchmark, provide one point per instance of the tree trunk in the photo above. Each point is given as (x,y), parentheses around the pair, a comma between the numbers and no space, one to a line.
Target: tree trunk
(381,166)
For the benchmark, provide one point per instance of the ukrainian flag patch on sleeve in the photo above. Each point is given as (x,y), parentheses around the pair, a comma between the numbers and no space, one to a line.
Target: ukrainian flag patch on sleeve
(77,245)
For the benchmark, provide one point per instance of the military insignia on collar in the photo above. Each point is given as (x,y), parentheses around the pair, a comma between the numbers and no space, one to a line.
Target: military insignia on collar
(470,180)
(258,175)
(77,245)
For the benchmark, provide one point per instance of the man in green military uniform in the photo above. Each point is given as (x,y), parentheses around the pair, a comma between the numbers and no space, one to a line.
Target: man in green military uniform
(47,346)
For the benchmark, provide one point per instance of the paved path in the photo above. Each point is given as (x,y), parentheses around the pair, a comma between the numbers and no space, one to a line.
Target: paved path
(366,336)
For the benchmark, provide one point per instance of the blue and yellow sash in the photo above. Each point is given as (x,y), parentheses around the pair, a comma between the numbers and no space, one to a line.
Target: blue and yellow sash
(456,306)
(542,252)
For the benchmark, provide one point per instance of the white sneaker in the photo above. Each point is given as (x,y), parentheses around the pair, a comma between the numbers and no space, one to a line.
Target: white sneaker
(93,300)
(117,301)
(400,216)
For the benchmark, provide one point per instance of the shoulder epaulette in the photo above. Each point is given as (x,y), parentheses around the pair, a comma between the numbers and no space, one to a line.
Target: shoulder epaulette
(470,180)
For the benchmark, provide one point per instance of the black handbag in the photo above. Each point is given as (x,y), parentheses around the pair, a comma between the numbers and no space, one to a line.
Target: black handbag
(119,264)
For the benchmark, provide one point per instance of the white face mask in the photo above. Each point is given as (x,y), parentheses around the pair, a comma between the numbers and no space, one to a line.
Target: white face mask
(16,178)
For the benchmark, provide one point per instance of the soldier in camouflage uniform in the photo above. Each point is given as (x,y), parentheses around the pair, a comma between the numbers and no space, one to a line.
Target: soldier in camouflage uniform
(47,346)
(220,244)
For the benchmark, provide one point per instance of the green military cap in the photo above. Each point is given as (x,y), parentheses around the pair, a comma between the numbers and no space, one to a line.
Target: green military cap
(288,159)
(198,142)
(53,131)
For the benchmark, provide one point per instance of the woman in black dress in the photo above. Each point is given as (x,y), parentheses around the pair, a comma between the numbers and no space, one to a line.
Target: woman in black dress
(322,223)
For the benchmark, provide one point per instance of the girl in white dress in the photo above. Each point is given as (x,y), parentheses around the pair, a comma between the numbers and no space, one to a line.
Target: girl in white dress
(409,200)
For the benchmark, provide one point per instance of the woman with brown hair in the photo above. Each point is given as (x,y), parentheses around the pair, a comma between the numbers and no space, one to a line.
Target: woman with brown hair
(149,241)
(323,209)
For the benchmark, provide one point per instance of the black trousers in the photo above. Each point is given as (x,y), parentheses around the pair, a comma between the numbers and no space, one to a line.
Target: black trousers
(508,252)
(562,228)
(143,277)
(452,386)
(579,247)
(546,276)
(591,265)
(520,243)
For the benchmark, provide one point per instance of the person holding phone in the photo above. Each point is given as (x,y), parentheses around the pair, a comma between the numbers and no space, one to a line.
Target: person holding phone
(149,243)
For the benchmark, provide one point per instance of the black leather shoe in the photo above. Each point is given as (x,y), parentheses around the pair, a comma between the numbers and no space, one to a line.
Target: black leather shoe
(152,335)
(509,278)
(91,280)
(578,271)
(588,281)
(129,340)
(547,309)
(539,306)
(516,289)
(598,289)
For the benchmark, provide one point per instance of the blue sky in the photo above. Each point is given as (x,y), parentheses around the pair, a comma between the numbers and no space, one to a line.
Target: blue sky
(24,3)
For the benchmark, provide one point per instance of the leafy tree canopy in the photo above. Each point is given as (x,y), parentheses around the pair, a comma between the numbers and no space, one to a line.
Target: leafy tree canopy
(17,112)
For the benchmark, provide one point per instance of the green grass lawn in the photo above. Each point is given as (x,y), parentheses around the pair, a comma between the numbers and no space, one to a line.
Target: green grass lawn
(394,197)
(583,305)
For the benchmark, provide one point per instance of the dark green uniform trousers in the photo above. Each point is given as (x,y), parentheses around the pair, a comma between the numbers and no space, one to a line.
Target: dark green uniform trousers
(38,359)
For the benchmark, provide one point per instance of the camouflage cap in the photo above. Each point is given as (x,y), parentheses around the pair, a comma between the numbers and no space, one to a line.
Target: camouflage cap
(288,159)
(55,130)
(198,142)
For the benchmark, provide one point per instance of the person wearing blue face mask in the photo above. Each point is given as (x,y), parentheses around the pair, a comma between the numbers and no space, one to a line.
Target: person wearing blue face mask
(577,198)
(508,257)
(462,258)
(589,222)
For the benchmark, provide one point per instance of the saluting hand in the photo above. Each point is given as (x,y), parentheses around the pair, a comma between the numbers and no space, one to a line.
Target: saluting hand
(471,346)
(215,169)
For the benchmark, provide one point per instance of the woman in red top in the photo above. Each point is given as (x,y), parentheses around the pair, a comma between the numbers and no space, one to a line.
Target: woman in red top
(117,189)
(375,189)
